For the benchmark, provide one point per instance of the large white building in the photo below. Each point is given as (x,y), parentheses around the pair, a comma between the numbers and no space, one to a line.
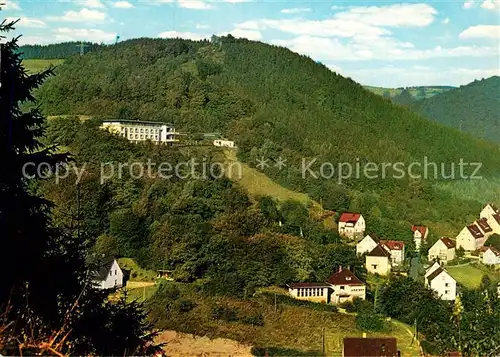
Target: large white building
(140,131)
(443,249)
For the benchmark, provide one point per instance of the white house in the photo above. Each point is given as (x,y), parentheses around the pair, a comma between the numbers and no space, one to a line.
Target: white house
(110,275)
(378,261)
(438,279)
(351,225)
(494,222)
(345,287)
(420,234)
(224,143)
(367,244)
(490,256)
(443,249)
(140,131)
(397,250)
(470,238)
(489,210)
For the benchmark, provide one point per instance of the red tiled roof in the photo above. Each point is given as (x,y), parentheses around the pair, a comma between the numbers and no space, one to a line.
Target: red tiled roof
(378,251)
(448,242)
(475,231)
(349,217)
(308,285)
(370,347)
(483,224)
(393,244)
(421,229)
(344,277)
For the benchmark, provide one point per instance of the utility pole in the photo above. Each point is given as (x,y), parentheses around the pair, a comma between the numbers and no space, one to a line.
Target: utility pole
(323,339)
(82,46)
(275,306)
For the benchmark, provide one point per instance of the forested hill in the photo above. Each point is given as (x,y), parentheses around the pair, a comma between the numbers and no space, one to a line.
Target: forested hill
(274,103)
(474,108)
(58,50)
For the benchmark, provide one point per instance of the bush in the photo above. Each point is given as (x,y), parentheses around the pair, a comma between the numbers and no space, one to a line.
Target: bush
(186,305)
(348,306)
(369,321)
(256,320)
(224,313)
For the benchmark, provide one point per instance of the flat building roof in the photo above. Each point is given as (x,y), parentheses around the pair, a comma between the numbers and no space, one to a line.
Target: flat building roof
(136,122)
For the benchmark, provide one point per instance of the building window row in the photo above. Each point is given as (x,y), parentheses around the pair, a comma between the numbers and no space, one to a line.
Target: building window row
(310,292)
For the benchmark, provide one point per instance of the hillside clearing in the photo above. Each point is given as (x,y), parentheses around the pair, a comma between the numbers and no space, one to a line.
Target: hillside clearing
(470,275)
(38,65)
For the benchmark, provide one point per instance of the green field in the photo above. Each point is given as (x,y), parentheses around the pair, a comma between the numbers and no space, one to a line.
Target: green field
(38,65)
(136,272)
(470,275)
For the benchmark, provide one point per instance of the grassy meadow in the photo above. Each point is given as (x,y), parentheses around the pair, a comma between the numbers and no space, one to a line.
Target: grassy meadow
(470,275)
(38,65)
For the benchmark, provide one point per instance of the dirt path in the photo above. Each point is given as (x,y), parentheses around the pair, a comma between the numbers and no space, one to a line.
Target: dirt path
(181,344)
(138,284)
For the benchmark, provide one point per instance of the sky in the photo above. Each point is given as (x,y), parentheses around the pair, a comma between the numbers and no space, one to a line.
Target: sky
(380,43)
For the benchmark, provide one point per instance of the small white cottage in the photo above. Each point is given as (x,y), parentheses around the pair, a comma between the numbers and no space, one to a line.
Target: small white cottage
(438,279)
(367,244)
(110,275)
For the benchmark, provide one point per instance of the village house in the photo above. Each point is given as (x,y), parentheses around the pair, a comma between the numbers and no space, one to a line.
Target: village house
(439,280)
(351,225)
(397,250)
(378,261)
(490,255)
(139,131)
(340,287)
(370,347)
(470,238)
(367,244)
(420,234)
(110,275)
(485,228)
(224,143)
(315,292)
(443,250)
(489,210)
(345,287)
(494,223)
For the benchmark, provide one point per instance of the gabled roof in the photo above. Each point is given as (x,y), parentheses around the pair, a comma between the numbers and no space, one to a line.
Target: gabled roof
(373,236)
(421,229)
(308,285)
(475,231)
(344,277)
(104,268)
(448,242)
(378,251)
(497,217)
(393,244)
(349,217)
(436,273)
(483,224)
(492,206)
(493,250)
(370,347)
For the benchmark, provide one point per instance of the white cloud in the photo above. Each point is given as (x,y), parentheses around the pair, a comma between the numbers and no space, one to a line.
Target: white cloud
(186,35)
(397,15)
(468,4)
(235,1)
(123,5)
(91,3)
(93,35)
(28,22)
(202,26)
(242,33)
(491,4)
(481,31)
(194,4)
(446,21)
(250,25)
(336,7)
(363,48)
(84,15)
(393,77)
(295,10)
(10,5)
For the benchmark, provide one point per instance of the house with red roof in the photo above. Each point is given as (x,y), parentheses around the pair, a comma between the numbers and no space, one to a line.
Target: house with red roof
(471,238)
(420,234)
(443,250)
(351,225)
(494,223)
(489,210)
(345,287)
(484,226)
(378,261)
(370,347)
(340,287)
(490,256)
(397,250)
